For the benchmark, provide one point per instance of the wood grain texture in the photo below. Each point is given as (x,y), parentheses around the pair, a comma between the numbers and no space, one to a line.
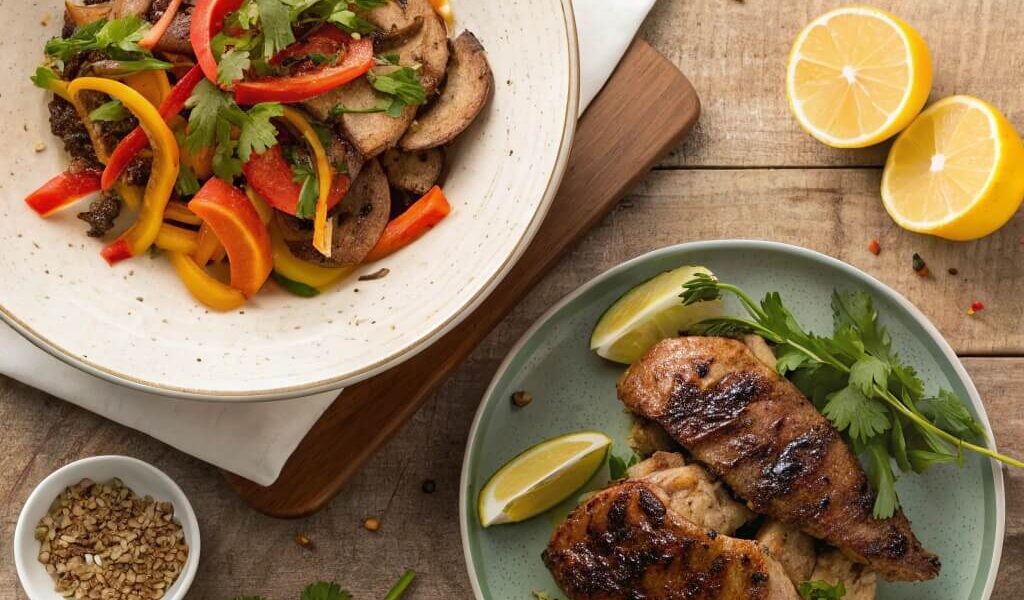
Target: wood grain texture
(735,53)
(644,109)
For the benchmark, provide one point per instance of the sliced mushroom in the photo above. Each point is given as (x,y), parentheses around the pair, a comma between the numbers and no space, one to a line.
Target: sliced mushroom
(386,39)
(359,221)
(370,133)
(129,8)
(425,44)
(413,172)
(466,91)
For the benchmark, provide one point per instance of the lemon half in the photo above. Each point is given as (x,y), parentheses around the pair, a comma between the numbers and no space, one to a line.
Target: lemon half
(857,75)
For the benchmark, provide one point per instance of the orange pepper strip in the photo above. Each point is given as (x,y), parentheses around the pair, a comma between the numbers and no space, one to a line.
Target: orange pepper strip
(203,286)
(238,227)
(407,227)
(160,27)
(176,239)
(143,232)
(178,212)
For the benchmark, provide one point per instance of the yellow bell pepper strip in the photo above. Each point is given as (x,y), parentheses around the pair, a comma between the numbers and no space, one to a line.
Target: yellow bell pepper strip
(179,213)
(296,269)
(143,232)
(204,287)
(61,88)
(131,195)
(444,9)
(176,239)
(266,213)
(153,85)
(207,246)
(238,227)
(63,190)
(324,173)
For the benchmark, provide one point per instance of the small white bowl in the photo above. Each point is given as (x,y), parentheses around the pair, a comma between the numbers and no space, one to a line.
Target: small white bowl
(142,478)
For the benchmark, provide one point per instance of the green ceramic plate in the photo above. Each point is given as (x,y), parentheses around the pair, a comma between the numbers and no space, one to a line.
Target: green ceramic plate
(958,513)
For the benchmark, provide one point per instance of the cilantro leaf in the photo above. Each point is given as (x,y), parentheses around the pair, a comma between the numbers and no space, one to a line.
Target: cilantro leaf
(857,310)
(119,38)
(349,20)
(867,372)
(949,413)
(618,466)
(258,132)
(110,111)
(276,21)
(402,83)
(44,77)
(790,359)
(849,409)
(214,117)
(186,184)
(369,4)
(821,590)
(883,480)
(306,207)
(322,590)
(208,105)
(232,66)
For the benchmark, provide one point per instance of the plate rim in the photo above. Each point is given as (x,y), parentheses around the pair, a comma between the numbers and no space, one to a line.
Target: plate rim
(411,349)
(470,454)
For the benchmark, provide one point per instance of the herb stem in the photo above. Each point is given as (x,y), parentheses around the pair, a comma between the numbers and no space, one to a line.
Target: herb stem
(400,587)
(926,424)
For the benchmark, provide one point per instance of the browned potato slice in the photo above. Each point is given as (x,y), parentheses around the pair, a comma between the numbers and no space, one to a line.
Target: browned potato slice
(414,172)
(465,93)
(359,221)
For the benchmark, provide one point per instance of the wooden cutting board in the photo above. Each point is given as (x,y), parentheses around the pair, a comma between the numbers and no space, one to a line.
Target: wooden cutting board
(642,113)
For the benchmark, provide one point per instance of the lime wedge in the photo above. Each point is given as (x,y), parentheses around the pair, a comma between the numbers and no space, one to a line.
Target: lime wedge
(647,314)
(542,477)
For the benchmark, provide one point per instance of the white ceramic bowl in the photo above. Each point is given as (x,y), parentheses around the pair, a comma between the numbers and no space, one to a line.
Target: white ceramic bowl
(142,478)
(135,324)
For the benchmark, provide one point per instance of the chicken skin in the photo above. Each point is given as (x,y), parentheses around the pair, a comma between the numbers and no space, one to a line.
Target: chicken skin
(756,432)
(626,542)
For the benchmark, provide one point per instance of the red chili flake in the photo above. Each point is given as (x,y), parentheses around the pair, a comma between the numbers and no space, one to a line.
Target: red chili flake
(920,267)
(874,247)
(975,307)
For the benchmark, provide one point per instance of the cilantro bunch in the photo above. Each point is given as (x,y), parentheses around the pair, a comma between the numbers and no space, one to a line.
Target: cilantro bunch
(262,28)
(323,590)
(859,383)
(118,39)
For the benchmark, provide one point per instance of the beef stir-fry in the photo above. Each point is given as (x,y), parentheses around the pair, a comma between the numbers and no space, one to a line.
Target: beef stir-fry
(296,139)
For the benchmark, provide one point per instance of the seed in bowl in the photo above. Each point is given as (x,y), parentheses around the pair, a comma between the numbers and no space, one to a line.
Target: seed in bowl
(102,541)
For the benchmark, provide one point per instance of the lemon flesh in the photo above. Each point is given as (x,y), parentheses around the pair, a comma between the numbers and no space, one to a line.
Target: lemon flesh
(957,172)
(647,314)
(542,477)
(856,76)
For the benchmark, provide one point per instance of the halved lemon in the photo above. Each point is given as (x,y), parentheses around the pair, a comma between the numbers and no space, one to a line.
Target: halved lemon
(857,75)
(542,477)
(647,314)
(957,172)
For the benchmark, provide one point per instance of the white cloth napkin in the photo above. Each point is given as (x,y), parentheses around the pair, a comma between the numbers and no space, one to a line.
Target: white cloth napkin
(255,439)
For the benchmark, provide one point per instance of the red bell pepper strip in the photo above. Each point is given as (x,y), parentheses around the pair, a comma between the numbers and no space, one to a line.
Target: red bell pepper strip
(270,176)
(136,141)
(357,60)
(407,227)
(207,21)
(238,226)
(63,190)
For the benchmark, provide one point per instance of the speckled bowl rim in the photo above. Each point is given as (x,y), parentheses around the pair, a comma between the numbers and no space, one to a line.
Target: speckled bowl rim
(413,347)
(488,401)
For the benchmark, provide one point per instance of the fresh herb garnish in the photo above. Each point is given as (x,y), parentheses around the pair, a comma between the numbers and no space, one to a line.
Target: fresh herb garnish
(118,39)
(186,184)
(232,67)
(215,115)
(402,83)
(44,77)
(859,383)
(401,585)
(618,466)
(276,22)
(821,590)
(296,287)
(322,590)
(110,111)
(393,108)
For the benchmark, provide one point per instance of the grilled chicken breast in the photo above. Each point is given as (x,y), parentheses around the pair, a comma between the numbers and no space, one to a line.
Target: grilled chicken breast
(759,434)
(626,543)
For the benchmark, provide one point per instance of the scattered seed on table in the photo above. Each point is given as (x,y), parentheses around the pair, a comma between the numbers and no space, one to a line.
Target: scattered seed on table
(920,267)
(371,524)
(953,271)
(304,541)
(521,399)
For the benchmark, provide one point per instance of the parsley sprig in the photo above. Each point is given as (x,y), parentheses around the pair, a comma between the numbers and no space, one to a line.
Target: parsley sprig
(118,38)
(214,119)
(859,383)
(324,590)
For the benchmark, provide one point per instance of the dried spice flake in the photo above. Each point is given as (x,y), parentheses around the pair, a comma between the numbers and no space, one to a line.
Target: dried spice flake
(953,271)
(379,274)
(976,307)
(920,267)
(874,247)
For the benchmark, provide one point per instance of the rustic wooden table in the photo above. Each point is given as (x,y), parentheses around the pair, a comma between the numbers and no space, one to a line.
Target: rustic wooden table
(747,171)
